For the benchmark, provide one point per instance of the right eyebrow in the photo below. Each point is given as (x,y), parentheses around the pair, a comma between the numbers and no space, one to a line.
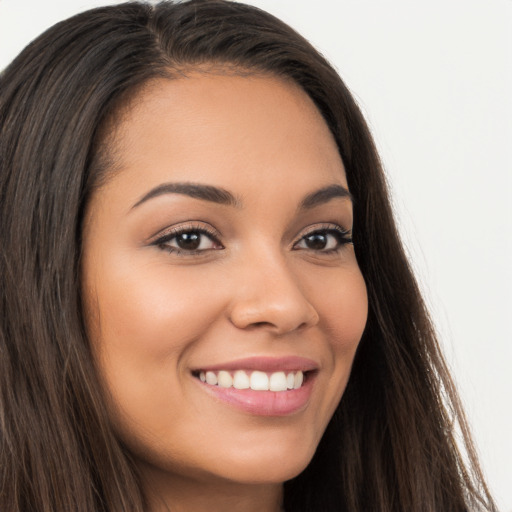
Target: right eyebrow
(205,192)
(324,195)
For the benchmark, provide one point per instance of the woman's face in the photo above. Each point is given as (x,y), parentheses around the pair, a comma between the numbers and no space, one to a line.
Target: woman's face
(220,249)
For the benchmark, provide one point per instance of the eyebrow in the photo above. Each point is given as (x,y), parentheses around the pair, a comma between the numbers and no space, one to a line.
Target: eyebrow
(221,196)
(205,192)
(324,195)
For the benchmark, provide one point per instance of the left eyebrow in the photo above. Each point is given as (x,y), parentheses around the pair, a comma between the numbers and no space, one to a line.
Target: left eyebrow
(198,191)
(324,195)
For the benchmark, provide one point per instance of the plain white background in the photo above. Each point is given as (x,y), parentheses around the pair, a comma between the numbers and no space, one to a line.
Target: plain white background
(434,80)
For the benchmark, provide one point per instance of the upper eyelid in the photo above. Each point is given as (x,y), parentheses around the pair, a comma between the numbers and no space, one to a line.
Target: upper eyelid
(190,226)
(331,226)
(345,234)
(208,230)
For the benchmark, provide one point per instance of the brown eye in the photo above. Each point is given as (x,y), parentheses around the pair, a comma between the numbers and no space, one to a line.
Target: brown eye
(188,241)
(324,240)
(316,241)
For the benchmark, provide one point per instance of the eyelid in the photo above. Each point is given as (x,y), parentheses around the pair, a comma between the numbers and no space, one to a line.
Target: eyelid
(344,234)
(190,226)
(166,235)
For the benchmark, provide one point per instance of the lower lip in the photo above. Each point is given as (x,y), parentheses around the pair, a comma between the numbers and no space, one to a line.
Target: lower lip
(264,403)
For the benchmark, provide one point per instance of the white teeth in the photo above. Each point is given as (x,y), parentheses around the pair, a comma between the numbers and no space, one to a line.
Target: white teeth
(277,382)
(211,378)
(299,379)
(257,381)
(241,380)
(224,380)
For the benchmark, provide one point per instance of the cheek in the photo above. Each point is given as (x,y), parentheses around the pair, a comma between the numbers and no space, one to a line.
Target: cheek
(349,320)
(343,309)
(143,320)
(153,309)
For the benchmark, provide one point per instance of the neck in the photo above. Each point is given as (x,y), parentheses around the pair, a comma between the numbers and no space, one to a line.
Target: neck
(181,494)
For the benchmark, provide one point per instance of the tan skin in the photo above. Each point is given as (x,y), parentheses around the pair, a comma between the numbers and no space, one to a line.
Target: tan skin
(263,276)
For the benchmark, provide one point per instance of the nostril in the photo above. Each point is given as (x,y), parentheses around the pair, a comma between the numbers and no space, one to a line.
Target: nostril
(280,311)
(260,324)
(303,325)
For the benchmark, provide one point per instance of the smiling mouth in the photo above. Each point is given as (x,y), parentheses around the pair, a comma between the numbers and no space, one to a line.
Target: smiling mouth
(254,380)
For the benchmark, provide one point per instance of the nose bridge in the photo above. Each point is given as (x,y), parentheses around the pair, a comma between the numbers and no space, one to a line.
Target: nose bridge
(269,294)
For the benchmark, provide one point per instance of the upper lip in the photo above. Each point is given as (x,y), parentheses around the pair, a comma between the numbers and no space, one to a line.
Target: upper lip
(265,364)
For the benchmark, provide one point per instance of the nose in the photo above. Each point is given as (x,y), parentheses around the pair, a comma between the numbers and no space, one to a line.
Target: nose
(269,296)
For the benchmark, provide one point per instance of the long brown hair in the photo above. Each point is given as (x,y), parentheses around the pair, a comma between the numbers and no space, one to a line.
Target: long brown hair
(391,445)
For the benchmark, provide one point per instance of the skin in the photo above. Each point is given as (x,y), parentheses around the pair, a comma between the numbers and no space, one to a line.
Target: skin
(259,289)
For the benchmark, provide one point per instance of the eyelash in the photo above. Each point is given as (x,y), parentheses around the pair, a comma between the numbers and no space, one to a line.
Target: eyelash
(342,236)
(163,241)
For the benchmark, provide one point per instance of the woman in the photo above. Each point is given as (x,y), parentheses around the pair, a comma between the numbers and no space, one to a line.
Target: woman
(205,303)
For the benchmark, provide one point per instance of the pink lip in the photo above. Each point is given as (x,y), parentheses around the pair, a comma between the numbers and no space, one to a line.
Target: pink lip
(265,364)
(265,403)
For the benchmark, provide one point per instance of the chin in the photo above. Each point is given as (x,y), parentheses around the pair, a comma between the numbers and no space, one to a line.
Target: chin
(266,465)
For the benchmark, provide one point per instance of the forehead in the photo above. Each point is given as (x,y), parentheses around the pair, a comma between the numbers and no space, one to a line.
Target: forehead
(233,131)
